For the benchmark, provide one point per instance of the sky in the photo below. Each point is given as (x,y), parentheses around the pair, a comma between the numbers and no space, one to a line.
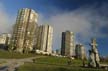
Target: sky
(86,18)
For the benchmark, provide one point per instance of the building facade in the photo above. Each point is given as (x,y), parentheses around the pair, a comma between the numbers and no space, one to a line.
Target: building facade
(24,30)
(80,51)
(67,44)
(44,38)
(5,40)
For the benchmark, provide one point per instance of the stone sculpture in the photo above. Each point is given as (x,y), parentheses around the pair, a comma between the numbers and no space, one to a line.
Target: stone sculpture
(93,54)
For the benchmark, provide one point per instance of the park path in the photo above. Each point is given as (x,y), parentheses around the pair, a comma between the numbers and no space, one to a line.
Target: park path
(12,64)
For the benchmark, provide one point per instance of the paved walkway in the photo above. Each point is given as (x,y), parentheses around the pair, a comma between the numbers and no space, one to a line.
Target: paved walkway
(12,64)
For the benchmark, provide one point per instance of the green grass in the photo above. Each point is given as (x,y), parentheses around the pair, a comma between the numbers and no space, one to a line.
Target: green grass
(10,55)
(57,61)
(55,64)
(1,62)
(46,67)
(52,60)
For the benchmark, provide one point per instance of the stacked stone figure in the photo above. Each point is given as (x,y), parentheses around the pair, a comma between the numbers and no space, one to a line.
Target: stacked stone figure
(93,54)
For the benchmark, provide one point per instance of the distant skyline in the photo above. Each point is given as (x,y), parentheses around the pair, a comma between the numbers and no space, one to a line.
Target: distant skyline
(86,18)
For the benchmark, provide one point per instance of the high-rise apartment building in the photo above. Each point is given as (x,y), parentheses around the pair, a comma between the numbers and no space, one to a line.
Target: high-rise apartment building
(24,30)
(67,44)
(80,51)
(44,38)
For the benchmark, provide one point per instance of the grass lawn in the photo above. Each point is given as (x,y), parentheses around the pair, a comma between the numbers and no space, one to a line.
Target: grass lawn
(57,61)
(1,62)
(45,67)
(47,63)
(10,55)
(54,64)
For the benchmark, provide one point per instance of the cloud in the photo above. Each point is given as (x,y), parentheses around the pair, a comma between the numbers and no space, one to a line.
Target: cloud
(6,20)
(86,22)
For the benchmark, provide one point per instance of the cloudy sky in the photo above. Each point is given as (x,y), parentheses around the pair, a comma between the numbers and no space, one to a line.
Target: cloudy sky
(86,18)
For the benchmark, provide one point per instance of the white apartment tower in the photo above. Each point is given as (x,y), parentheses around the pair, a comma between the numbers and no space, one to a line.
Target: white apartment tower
(67,44)
(24,30)
(44,38)
(80,51)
